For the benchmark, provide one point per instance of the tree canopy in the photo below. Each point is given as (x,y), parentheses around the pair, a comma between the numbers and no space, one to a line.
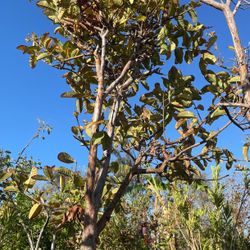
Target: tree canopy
(122,62)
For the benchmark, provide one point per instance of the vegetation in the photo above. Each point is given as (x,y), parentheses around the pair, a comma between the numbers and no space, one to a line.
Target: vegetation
(152,215)
(143,118)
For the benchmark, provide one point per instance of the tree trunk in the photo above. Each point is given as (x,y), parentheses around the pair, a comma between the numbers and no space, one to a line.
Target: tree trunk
(88,238)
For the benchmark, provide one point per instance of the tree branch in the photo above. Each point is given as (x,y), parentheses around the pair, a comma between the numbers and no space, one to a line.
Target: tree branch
(237,6)
(107,153)
(28,235)
(204,141)
(122,189)
(118,80)
(213,3)
(41,231)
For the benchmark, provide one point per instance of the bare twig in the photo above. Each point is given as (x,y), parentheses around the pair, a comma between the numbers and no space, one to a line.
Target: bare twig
(216,5)
(237,6)
(118,79)
(41,231)
(204,141)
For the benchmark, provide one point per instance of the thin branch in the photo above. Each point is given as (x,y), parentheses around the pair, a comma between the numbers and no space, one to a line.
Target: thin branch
(41,231)
(103,51)
(107,153)
(35,136)
(53,243)
(229,104)
(126,84)
(161,170)
(122,189)
(128,153)
(237,6)
(118,80)
(216,5)
(204,141)
(28,235)
(231,118)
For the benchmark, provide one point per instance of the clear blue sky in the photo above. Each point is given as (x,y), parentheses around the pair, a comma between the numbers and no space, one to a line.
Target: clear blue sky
(27,94)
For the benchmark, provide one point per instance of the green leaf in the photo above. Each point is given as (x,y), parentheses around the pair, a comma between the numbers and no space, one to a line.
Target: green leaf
(178,55)
(65,157)
(63,171)
(88,131)
(211,42)
(98,137)
(75,130)
(199,164)
(35,210)
(33,61)
(78,181)
(71,95)
(22,47)
(48,171)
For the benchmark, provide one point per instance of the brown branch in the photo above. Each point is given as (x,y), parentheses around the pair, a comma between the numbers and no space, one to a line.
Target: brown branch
(107,153)
(239,51)
(231,118)
(160,171)
(229,104)
(103,53)
(122,189)
(127,83)
(90,215)
(204,141)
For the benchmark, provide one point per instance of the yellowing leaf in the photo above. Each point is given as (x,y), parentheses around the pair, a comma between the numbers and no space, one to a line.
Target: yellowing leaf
(31,182)
(209,57)
(141,18)
(235,79)
(245,151)
(88,127)
(179,123)
(42,56)
(11,189)
(217,113)
(5,176)
(35,210)
(186,114)
(62,182)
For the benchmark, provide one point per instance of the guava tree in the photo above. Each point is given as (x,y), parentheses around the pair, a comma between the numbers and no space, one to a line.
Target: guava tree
(122,63)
